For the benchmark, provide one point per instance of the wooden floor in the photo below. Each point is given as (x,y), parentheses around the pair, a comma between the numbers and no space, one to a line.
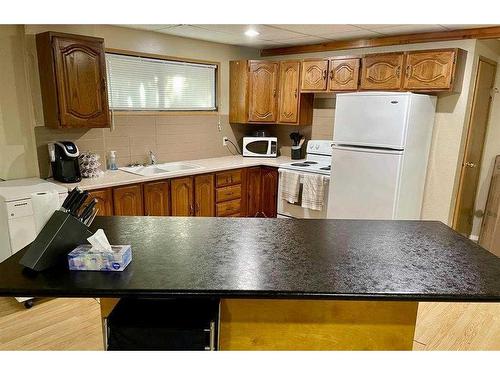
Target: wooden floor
(74,324)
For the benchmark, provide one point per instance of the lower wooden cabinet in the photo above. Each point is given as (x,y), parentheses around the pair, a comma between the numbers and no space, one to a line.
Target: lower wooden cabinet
(128,201)
(262,191)
(104,199)
(156,199)
(204,195)
(182,196)
(248,192)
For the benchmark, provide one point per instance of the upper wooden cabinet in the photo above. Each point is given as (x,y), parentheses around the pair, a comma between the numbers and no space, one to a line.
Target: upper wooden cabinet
(344,74)
(156,198)
(128,201)
(430,70)
(267,92)
(263,91)
(382,71)
(72,80)
(314,75)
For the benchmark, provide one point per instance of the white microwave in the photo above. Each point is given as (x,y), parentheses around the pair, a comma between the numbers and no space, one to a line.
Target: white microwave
(263,147)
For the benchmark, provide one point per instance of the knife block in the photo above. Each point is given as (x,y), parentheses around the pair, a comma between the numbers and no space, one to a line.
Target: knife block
(62,233)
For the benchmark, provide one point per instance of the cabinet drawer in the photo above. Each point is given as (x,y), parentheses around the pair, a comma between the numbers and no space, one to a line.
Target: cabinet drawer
(229,208)
(228,193)
(228,178)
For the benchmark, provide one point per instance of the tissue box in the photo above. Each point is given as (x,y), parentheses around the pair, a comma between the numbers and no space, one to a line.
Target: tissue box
(83,258)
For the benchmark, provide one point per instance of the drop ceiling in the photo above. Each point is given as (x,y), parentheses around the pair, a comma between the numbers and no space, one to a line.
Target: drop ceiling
(278,35)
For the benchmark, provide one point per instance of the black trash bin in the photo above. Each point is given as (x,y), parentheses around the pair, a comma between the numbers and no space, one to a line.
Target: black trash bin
(163,324)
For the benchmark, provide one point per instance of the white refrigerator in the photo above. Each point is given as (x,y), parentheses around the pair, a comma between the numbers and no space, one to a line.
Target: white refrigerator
(380,152)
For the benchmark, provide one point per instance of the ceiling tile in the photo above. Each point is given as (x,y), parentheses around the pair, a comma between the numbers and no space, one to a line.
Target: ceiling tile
(408,29)
(374,26)
(316,29)
(266,32)
(465,26)
(150,27)
(351,35)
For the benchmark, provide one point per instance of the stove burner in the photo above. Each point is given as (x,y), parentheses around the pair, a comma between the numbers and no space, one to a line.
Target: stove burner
(311,162)
(326,168)
(300,164)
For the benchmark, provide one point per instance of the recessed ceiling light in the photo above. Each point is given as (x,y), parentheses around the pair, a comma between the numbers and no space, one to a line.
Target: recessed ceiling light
(251,33)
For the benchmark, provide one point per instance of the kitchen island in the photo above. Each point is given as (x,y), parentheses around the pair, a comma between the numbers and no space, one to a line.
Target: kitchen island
(285,284)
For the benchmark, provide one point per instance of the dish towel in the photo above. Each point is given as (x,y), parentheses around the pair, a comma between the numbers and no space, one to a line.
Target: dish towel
(313,191)
(290,186)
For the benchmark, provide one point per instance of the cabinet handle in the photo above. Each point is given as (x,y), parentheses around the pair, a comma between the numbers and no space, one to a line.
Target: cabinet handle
(274,93)
(331,74)
(264,215)
(408,71)
(191,210)
(197,205)
(470,165)
(398,71)
(324,74)
(295,92)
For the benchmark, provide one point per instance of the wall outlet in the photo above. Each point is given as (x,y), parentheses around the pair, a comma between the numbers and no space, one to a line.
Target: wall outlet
(224,141)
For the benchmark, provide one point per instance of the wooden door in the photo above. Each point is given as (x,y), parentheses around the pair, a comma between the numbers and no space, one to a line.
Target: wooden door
(156,199)
(182,196)
(254,203)
(269,191)
(382,72)
(127,201)
(263,91)
(430,70)
(204,195)
(104,203)
(471,166)
(81,82)
(490,228)
(344,74)
(289,92)
(314,75)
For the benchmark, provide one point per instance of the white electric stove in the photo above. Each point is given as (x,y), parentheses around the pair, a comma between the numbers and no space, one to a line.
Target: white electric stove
(318,159)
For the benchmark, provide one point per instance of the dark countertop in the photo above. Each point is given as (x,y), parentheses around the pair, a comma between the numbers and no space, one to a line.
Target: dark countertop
(280,258)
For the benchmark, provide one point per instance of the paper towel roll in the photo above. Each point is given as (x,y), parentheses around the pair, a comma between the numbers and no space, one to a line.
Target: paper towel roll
(44,204)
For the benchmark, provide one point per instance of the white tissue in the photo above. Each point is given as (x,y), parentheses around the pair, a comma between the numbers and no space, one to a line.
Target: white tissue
(44,204)
(99,241)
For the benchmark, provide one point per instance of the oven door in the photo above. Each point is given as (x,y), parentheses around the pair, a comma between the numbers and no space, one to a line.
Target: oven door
(295,210)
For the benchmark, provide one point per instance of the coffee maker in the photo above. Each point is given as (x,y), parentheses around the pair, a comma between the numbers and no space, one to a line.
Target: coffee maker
(63,157)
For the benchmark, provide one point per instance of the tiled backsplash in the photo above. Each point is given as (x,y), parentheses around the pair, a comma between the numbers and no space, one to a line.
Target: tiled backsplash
(172,137)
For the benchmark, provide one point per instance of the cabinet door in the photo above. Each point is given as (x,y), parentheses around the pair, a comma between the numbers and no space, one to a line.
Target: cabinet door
(269,191)
(81,82)
(182,193)
(127,201)
(254,203)
(263,91)
(429,70)
(344,74)
(104,201)
(289,92)
(382,72)
(204,195)
(156,199)
(314,73)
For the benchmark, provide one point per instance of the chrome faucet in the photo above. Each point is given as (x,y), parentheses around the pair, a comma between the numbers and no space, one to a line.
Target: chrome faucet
(152,158)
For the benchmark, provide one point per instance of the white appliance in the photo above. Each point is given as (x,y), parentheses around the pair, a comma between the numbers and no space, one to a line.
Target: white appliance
(379,158)
(17,223)
(318,158)
(262,147)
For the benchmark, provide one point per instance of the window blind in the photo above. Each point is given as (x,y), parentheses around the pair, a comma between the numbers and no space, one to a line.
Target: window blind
(145,84)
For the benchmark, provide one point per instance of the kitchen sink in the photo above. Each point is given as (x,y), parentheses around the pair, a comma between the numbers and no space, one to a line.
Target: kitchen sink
(160,169)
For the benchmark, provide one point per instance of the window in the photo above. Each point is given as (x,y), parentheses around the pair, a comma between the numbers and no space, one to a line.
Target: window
(147,84)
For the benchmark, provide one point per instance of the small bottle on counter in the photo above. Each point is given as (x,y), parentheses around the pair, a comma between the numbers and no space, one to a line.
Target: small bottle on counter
(112,161)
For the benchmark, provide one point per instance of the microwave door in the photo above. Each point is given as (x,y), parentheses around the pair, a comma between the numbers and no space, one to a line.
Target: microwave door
(258,148)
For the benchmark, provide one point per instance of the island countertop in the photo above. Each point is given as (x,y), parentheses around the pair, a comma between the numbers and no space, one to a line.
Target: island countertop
(265,258)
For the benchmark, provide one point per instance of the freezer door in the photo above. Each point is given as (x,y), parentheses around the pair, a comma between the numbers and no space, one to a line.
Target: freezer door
(364,183)
(371,120)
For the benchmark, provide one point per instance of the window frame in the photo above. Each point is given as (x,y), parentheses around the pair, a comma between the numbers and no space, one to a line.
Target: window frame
(168,111)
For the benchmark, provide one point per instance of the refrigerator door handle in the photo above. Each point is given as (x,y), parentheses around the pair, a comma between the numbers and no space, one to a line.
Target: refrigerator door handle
(368,149)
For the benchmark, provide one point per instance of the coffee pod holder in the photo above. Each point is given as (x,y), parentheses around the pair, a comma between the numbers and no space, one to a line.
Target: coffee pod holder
(61,234)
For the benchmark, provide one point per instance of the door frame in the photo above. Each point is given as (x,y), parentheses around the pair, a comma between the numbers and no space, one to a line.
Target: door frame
(467,139)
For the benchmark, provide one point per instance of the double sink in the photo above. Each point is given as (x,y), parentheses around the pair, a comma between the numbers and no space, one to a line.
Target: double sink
(161,169)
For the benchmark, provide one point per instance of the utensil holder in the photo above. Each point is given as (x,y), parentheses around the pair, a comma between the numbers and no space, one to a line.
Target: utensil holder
(62,233)
(296,153)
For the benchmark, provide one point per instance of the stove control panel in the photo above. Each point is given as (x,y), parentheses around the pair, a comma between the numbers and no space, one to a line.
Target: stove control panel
(319,147)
